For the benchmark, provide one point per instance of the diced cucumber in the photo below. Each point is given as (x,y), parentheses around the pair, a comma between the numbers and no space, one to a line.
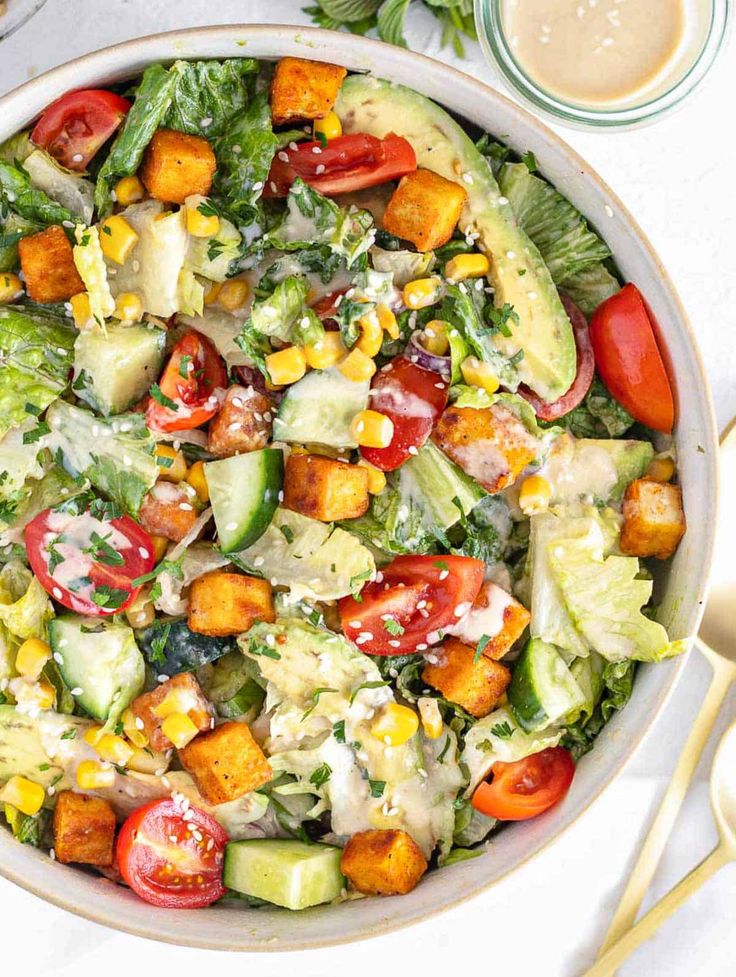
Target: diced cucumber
(102,659)
(244,493)
(319,409)
(542,689)
(113,371)
(289,873)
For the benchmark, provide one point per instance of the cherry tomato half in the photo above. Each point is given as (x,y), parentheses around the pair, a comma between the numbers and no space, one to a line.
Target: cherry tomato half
(421,594)
(414,399)
(171,861)
(190,381)
(75,127)
(628,359)
(88,564)
(522,790)
(345,164)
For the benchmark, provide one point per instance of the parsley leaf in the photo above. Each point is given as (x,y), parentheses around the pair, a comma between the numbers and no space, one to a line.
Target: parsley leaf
(480,647)
(393,627)
(366,685)
(377,787)
(315,699)
(321,775)
(504,730)
(161,398)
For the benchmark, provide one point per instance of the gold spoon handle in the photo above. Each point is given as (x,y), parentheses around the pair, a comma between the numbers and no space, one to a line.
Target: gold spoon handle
(607,965)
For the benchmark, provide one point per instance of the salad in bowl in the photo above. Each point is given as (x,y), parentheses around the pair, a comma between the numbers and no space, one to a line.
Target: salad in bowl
(335,461)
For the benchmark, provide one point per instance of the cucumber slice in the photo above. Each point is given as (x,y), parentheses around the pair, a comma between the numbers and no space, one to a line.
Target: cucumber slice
(244,493)
(288,873)
(102,659)
(113,371)
(542,689)
(319,408)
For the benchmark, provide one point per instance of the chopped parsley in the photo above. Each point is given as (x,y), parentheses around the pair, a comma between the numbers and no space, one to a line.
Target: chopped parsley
(393,627)
(504,730)
(184,367)
(321,775)
(36,433)
(500,318)
(158,645)
(315,699)
(288,533)
(111,598)
(530,161)
(69,734)
(102,552)
(338,730)
(261,650)
(161,398)
(480,647)
(377,787)
(366,685)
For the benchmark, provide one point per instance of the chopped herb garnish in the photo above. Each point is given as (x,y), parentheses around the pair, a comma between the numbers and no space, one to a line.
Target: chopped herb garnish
(321,139)
(110,597)
(504,730)
(338,731)
(104,510)
(321,775)
(480,647)
(366,685)
(440,564)
(377,787)
(32,410)
(529,160)
(261,650)
(443,752)
(118,728)
(161,398)
(102,552)
(81,381)
(184,364)
(288,533)
(315,699)
(158,645)
(500,318)
(44,766)
(163,462)
(208,209)
(106,229)
(214,249)
(357,580)
(516,358)
(36,433)
(393,627)
(69,734)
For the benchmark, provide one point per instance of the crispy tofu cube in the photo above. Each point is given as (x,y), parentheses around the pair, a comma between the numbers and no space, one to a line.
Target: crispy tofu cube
(177,165)
(304,89)
(169,510)
(48,266)
(475,685)
(182,694)
(229,603)
(226,763)
(383,862)
(84,829)
(654,521)
(491,444)
(324,488)
(493,607)
(424,209)
(243,423)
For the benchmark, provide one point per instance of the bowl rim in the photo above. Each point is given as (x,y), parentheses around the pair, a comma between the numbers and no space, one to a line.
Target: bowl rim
(140,51)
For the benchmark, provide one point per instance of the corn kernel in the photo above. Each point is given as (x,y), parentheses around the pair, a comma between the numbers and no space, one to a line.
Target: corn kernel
(286,366)
(117,239)
(661,469)
(146,761)
(357,366)
(176,701)
(422,292)
(92,775)
(212,293)
(11,287)
(201,220)
(326,352)
(44,695)
(31,658)
(395,725)
(372,429)
(371,335)
(81,310)
(160,546)
(196,478)
(467,266)
(479,374)
(534,495)
(233,294)
(93,735)
(114,749)
(129,191)
(179,728)
(24,794)
(434,337)
(330,127)
(171,464)
(388,320)
(140,613)
(376,478)
(429,713)
(133,729)
(129,307)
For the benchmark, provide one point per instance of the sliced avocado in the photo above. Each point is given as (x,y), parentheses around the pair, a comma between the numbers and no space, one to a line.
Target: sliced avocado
(25,742)
(518,273)
(597,468)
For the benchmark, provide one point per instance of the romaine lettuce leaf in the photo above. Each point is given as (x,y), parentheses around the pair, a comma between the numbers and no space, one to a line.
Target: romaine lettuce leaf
(18,462)
(24,604)
(598,416)
(591,286)
(68,189)
(53,487)
(223,329)
(211,257)
(244,151)
(285,316)
(470,335)
(17,191)
(13,227)
(405,266)
(207,95)
(613,684)
(90,263)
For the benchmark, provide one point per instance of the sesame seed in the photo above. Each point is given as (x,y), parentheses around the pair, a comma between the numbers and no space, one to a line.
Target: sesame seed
(57,593)
(230,526)
(444,574)
(316,150)
(205,122)
(320,169)
(608,210)
(274,188)
(143,552)
(258,185)
(76,690)
(185,507)
(284,157)
(356,624)
(58,658)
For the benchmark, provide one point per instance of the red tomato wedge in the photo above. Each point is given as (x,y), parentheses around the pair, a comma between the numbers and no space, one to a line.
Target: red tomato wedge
(171,860)
(522,790)
(583,378)
(327,305)
(88,564)
(628,359)
(345,164)
(188,386)
(76,126)
(413,398)
(419,594)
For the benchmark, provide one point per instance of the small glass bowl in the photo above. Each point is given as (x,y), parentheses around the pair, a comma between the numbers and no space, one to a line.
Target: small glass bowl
(709,20)
(14,13)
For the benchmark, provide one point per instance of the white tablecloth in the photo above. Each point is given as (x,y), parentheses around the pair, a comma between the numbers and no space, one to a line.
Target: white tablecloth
(679,180)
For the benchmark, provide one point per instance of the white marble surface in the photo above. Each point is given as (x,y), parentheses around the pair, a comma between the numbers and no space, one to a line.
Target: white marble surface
(678,179)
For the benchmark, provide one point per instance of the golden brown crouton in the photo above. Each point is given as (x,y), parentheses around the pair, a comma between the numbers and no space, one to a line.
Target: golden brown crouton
(475,685)
(177,165)
(383,863)
(223,603)
(169,510)
(226,763)
(48,266)
(492,606)
(304,89)
(243,423)
(424,209)
(491,444)
(654,522)
(84,829)
(325,489)
(180,694)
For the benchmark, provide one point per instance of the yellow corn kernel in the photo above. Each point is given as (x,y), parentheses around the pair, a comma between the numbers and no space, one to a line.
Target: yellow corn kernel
(326,352)
(129,307)
(434,337)
(160,546)
(422,292)
(371,335)
(117,239)
(395,725)
(114,749)
(93,734)
(330,127)
(11,287)
(286,366)
(23,794)
(467,266)
(140,613)
(179,728)
(372,429)
(201,220)
(212,293)
(233,294)
(145,761)
(31,658)
(429,713)
(534,495)
(44,695)
(388,320)
(376,478)
(133,729)
(176,701)
(661,469)
(171,464)
(81,310)
(357,366)
(92,775)
(479,374)
(129,191)
(196,478)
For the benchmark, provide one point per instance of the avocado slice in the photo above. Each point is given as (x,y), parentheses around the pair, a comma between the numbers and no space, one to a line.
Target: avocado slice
(596,467)
(518,272)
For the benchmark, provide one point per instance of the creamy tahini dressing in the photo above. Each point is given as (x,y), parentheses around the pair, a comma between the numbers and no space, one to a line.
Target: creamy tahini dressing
(485,617)
(595,51)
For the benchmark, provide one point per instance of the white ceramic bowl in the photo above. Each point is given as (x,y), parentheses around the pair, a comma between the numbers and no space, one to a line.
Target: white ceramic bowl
(232,927)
